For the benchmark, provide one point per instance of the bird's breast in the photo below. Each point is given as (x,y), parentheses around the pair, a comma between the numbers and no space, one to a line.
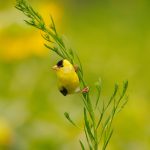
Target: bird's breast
(69,80)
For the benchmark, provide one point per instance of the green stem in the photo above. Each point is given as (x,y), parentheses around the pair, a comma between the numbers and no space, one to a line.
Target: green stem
(92,115)
(91,126)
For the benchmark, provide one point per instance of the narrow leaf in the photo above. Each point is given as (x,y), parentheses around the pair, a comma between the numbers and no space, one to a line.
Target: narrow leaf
(88,126)
(123,105)
(69,119)
(107,140)
(53,27)
(125,86)
(113,95)
(101,115)
(82,146)
(98,87)
(87,138)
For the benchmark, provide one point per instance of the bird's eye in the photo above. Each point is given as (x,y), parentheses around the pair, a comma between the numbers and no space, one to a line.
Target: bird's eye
(60,63)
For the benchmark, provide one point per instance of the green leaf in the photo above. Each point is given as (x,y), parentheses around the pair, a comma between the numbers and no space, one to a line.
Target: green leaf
(123,105)
(98,87)
(125,86)
(82,146)
(80,65)
(107,140)
(46,37)
(100,119)
(53,25)
(31,23)
(88,128)
(71,54)
(87,138)
(69,119)
(113,95)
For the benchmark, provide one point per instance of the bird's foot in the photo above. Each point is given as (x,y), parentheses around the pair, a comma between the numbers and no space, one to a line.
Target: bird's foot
(85,90)
(76,68)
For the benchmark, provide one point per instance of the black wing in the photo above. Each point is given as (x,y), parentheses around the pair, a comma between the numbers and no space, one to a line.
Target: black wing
(64,91)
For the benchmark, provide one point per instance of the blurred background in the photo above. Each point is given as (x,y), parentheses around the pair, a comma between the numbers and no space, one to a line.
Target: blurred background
(112,38)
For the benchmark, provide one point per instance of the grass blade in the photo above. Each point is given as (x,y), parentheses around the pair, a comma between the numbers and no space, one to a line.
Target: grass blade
(88,128)
(69,119)
(98,87)
(82,146)
(107,140)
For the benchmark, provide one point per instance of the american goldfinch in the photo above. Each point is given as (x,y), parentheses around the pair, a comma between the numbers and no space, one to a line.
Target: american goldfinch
(68,80)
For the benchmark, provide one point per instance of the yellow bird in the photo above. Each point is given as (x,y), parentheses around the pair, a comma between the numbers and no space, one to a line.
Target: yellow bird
(68,80)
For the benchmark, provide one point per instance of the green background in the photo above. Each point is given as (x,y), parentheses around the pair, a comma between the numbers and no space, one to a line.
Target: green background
(112,39)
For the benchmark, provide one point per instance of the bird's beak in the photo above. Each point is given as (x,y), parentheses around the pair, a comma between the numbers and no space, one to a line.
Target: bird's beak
(55,67)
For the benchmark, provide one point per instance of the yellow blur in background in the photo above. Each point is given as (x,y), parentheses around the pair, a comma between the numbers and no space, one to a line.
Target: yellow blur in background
(112,39)
(5,133)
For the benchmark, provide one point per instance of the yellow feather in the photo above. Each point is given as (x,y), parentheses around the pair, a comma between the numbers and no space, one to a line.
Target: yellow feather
(67,77)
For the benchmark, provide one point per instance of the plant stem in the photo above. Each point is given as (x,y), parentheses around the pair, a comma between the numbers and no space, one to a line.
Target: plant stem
(95,131)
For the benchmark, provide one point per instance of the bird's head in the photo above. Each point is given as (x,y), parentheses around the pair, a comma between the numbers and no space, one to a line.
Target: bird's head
(63,66)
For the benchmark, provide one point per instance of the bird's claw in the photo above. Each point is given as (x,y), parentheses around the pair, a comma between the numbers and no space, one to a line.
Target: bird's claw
(76,68)
(85,90)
